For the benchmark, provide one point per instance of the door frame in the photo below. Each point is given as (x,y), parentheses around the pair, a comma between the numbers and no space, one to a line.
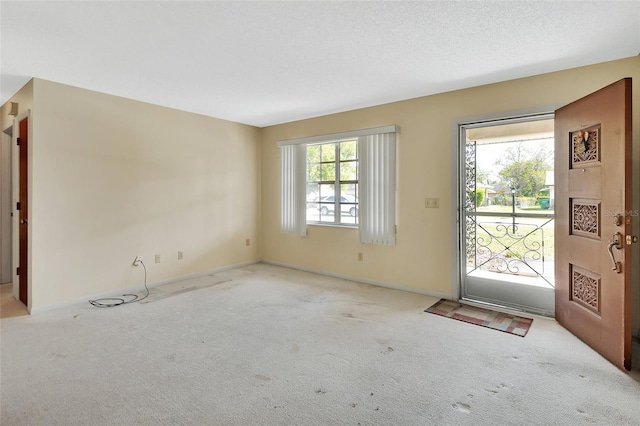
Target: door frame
(6,215)
(457,177)
(15,166)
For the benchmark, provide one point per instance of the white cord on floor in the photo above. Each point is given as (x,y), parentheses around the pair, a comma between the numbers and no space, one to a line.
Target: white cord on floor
(117,301)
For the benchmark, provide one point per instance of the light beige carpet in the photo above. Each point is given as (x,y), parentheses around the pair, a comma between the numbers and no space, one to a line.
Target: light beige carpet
(265,345)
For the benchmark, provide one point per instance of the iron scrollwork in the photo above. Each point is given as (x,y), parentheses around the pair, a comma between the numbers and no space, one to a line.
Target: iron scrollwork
(500,247)
(470,199)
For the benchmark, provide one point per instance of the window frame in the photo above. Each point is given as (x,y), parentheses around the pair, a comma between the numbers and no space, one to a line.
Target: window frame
(337,183)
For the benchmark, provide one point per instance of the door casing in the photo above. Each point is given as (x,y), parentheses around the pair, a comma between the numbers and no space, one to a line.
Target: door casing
(16,198)
(544,297)
(456,177)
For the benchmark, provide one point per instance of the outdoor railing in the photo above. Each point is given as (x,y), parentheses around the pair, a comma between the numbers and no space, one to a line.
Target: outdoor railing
(518,244)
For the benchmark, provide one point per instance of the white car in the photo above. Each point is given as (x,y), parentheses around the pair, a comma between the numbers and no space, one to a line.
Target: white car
(348,205)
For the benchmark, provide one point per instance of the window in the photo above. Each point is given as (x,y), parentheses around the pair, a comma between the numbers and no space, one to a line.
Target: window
(332,183)
(342,179)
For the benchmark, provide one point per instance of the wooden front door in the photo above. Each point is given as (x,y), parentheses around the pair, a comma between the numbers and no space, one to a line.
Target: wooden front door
(593,220)
(23,213)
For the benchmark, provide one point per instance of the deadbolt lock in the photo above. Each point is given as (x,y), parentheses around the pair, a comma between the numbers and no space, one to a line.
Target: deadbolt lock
(631,239)
(617,219)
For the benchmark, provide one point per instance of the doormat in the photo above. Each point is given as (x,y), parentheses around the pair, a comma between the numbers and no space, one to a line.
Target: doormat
(491,319)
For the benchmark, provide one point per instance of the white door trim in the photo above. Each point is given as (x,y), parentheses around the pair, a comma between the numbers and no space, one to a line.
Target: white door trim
(15,166)
(457,174)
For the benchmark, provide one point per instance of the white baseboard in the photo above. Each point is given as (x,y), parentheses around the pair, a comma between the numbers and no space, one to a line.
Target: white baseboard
(137,288)
(431,293)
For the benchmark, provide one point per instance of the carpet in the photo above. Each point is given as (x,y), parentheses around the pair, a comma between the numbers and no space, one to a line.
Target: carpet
(491,319)
(264,345)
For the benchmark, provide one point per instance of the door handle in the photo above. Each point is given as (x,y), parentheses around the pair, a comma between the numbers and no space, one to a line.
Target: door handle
(23,222)
(617,266)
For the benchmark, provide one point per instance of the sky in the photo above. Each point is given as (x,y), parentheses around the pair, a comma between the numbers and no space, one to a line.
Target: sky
(487,155)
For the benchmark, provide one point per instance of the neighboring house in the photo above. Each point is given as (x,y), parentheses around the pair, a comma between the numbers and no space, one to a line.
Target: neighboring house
(112,178)
(548,181)
(489,193)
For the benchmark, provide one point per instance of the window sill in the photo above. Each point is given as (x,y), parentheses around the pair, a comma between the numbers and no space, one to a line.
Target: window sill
(333,225)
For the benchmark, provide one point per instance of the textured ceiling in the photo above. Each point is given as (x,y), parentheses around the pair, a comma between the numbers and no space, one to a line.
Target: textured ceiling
(264,63)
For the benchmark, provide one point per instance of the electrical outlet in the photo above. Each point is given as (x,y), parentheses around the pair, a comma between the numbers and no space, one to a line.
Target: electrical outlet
(360,257)
(432,203)
(247,242)
(137,261)
(180,255)
(157,258)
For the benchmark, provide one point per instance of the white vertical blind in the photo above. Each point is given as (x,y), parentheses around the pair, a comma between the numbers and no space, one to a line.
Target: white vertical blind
(377,182)
(293,165)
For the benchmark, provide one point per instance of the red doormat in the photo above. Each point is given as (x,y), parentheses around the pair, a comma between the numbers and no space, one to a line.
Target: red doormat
(484,317)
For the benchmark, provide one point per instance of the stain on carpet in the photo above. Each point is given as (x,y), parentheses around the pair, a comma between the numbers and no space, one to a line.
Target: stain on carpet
(262,377)
(462,407)
(155,297)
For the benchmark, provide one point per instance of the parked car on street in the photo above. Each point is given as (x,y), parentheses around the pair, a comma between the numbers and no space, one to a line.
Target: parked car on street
(348,205)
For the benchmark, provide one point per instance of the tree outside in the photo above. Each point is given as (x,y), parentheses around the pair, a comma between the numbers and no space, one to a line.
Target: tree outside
(521,166)
(321,168)
(524,168)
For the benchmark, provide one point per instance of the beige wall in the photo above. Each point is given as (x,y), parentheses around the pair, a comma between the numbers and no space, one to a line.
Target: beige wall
(422,258)
(115,178)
